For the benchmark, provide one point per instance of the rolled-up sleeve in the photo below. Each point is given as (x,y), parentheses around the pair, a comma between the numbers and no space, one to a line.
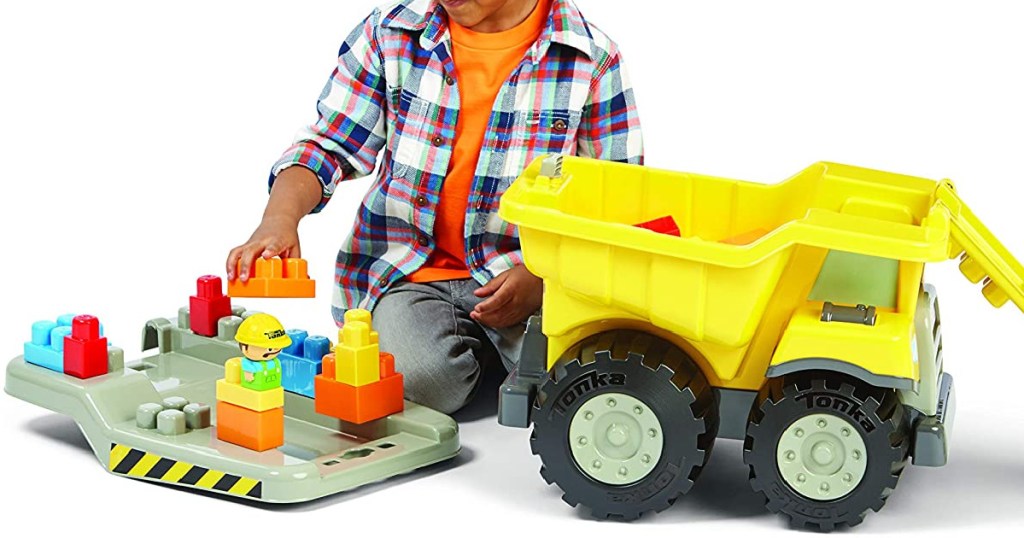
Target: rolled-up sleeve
(610,126)
(350,130)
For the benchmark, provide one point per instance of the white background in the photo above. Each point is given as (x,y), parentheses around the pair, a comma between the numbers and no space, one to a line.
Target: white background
(136,136)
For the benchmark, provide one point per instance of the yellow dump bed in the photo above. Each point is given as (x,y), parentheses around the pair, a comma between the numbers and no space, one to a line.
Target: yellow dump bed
(577,225)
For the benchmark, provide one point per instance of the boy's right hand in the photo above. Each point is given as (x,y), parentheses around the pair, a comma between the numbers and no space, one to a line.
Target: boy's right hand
(294,194)
(275,236)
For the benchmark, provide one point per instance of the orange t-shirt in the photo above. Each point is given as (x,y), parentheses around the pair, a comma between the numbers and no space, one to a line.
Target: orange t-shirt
(483,62)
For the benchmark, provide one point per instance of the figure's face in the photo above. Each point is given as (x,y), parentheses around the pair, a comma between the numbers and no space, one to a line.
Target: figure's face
(257,353)
(488,15)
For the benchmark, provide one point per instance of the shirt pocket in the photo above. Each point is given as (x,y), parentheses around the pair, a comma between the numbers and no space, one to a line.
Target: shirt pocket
(537,132)
(408,139)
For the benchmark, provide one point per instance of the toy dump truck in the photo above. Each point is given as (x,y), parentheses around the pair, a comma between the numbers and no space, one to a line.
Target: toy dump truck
(790,316)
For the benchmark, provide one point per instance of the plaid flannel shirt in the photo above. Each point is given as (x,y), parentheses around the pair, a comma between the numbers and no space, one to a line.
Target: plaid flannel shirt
(394,89)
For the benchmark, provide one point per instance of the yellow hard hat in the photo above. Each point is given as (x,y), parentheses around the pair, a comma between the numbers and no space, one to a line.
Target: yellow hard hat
(262,330)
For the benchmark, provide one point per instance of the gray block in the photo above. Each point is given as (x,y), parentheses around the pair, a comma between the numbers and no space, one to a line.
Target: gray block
(171,422)
(227,327)
(197,416)
(184,319)
(115,359)
(145,415)
(175,402)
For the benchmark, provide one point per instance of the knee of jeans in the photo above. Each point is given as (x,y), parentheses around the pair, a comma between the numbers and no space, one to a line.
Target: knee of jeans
(443,390)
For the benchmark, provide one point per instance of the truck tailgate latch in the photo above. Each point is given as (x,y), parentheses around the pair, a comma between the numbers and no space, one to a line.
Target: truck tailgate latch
(864,315)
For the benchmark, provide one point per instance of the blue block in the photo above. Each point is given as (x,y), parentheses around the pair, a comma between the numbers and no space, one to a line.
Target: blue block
(301,361)
(46,348)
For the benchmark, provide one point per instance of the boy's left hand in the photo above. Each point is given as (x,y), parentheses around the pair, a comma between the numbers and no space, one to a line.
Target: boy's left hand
(511,297)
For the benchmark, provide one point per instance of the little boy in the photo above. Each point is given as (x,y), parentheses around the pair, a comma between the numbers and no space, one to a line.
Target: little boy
(461,95)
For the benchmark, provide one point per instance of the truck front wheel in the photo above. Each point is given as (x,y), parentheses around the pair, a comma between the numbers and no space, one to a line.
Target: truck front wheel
(624,425)
(824,449)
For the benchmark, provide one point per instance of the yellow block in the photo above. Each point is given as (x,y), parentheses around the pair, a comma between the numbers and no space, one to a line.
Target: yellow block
(256,400)
(233,370)
(357,355)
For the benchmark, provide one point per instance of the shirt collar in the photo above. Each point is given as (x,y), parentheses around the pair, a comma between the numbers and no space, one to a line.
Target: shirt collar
(566,25)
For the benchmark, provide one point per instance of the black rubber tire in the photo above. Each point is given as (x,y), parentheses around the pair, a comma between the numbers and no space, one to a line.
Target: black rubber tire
(646,368)
(875,413)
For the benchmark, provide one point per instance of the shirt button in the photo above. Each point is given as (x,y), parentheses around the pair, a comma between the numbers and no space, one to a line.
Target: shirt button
(421,200)
(381,282)
(438,140)
(423,241)
(560,125)
(449,80)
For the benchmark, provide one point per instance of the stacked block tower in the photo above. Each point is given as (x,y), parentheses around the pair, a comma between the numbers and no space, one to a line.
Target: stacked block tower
(248,417)
(358,383)
(74,346)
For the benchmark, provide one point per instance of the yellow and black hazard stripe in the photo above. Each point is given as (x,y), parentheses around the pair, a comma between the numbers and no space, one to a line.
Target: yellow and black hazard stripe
(136,463)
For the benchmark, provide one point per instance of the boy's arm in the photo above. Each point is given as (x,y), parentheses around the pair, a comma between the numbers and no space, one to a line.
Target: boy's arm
(342,144)
(609,126)
(350,130)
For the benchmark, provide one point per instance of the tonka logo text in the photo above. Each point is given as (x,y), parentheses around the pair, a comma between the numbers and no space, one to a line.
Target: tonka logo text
(584,384)
(838,403)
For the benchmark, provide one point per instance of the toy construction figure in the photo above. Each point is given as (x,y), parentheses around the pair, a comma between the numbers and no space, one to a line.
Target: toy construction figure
(261,338)
(250,399)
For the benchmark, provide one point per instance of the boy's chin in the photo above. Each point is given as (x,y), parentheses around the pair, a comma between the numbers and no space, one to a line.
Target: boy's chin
(462,12)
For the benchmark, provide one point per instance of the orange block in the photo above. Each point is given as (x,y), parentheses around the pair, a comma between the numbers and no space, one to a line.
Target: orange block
(328,365)
(275,278)
(387,365)
(255,430)
(358,404)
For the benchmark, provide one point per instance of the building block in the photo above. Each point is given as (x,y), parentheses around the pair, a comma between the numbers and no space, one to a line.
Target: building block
(359,404)
(254,400)
(145,415)
(664,225)
(357,355)
(174,402)
(387,365)
(197,416)
(251,429)
(208,305)
(171,422)
(85,351)
(275,277)
(46,348)
(302,361)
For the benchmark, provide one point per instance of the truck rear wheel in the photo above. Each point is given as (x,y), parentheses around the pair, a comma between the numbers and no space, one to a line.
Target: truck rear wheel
(624,425)
(824,449)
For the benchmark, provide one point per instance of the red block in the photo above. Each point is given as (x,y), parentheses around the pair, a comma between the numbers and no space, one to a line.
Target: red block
(358,404)
(85,351)
(207,306)
(664,225)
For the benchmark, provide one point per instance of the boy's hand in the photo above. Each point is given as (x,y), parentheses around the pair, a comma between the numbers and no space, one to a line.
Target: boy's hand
(294,194)
(275,236)
(511,297)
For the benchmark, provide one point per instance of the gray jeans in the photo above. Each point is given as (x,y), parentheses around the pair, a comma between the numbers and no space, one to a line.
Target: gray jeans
(438,348)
